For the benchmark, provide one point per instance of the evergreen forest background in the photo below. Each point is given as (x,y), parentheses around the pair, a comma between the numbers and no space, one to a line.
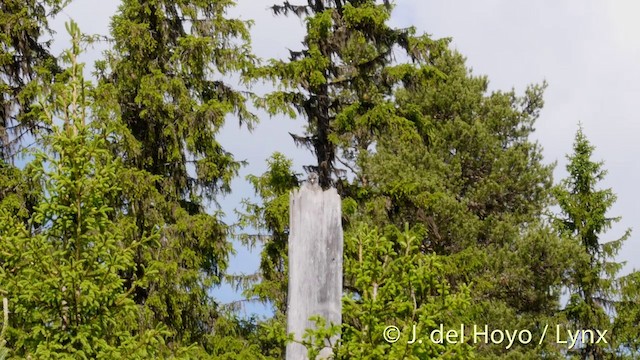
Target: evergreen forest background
(125,201)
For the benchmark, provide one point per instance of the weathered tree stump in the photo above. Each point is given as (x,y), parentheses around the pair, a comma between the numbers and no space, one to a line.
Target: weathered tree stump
(315,263)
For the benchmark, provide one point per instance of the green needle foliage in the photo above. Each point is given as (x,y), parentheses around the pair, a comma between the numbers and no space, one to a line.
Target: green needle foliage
(161,87)
(270,218)
(24,57)
(61,269)
(109,249)
(18,193)
(25,63)
(394,283)
(593,285)
(625,331)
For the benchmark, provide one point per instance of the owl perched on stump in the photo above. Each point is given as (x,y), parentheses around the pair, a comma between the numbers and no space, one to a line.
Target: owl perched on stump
(312,179)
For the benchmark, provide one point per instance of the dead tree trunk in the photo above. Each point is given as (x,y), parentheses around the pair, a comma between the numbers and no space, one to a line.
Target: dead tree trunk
(315,263)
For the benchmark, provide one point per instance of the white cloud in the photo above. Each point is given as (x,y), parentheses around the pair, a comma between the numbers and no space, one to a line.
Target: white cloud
(623,16)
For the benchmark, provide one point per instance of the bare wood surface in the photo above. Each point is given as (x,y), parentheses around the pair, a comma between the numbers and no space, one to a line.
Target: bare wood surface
(315,263)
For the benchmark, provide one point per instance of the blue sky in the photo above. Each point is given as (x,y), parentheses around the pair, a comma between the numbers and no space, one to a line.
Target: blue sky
(587,50)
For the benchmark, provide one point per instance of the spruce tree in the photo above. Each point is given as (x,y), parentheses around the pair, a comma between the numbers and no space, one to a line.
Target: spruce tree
(163,77)
(60,270)
(342,80)
(583,220)
(468,173)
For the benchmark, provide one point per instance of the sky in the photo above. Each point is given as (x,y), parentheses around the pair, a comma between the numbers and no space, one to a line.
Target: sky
(588,51)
